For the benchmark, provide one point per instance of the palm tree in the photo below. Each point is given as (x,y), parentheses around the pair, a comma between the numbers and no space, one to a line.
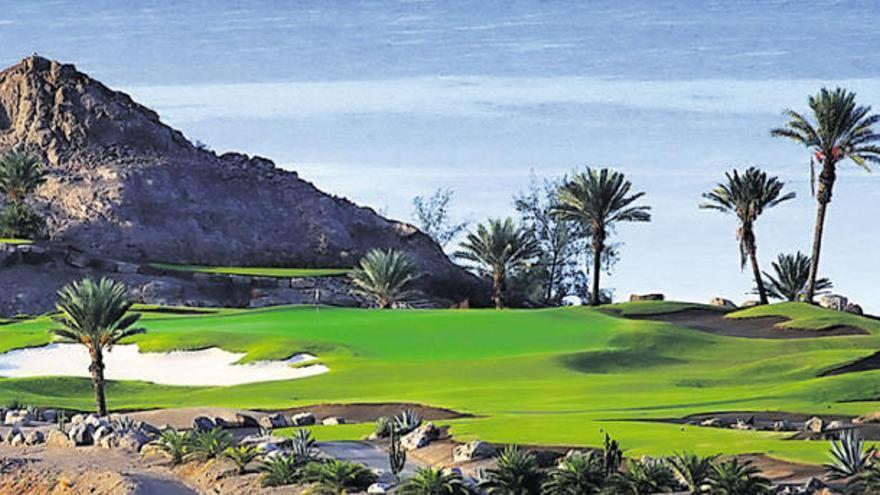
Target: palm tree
(839,129)
(498,247)
(430,481)
(693,470)
(385,277)
(20,174)
(792,271)
(598,199)
(95,314)
(737,478)
(338,477)
(516,473)
(645,477)
(747,195)
(578,474)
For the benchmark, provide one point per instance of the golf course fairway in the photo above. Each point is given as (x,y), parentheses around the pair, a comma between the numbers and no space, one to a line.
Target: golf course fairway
(559,376)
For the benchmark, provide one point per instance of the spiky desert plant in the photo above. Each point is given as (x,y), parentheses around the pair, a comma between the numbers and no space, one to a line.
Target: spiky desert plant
(849,456)
(578,474)
(747,194)
(516,473)
(839,129)
(407,421)
(18,220)
(210,444)
(598,199)
(867,483)
(790,277)
(241,456)
(693,470)
(645,477)
(281,470)
(496,248)
(383,426)
(733,477)
(338,477)
(431,481)
(385,277)
(612,456)
(174,443)
(303,446)
(20,175)
(96,315)
(396,454)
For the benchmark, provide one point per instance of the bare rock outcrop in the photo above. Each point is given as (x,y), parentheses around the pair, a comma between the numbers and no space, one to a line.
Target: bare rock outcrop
(126,186)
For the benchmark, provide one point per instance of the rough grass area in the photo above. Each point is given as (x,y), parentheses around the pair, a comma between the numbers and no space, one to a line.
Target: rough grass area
(803,316)
(255,271)
(14,241)
(647,308)
(554,377)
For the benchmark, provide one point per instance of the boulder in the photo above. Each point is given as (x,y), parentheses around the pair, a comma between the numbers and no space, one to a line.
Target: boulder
(34,437)
(873,417)
(303,419)
(109,441)
(20,417)
(721,302)
(50,415)
(81,434)
(712,422)
(221,423)
(781,425)
(742,425)
(647,297)
(833,301)
(245,421)
(814,425)
(420,437)
(751,303)
(17,439)
(333,421)
(100,432)
(379,488)
(854,309)
(274,421)
(132,440)
(472,451)
(203,423)
(57,439)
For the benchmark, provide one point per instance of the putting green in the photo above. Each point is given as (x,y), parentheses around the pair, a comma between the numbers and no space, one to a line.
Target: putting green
(256,271)
(556,376)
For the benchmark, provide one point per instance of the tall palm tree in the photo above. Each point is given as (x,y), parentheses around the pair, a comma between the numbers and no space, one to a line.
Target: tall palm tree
(598,199)
(20,174)
(747,195)
(789,282)
(96,315)
(498,247)
(385,277)
(839,129)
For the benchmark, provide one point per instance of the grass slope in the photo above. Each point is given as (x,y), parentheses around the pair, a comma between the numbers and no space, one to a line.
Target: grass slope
(255,271)
(556,376)
(803,316)
(6,240)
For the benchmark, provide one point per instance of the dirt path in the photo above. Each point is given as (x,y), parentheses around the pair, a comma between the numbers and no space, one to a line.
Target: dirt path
(756,328)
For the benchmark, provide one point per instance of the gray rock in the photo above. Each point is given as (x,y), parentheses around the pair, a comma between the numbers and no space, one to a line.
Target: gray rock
(814,425)
(100,432)
(110,441)
(379,488)
(81,434)
(333,421)
(203,423)
(17,439)
(472,451)
(854,309)
(274,421)
(57,439)
(34,437)
(303,419)
(420,437)
(132,440)
(833,301)
(722,303)
(646,297)
(712,422)
(50,415)
(245,421)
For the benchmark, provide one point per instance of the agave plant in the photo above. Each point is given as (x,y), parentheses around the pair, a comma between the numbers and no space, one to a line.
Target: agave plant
(339,477)
(385,277)
(303,446)
(578,474)
(849,456)
(645,477)
(383,426)
(281,470)
(733,477)
(174,443)
(516,473)
(694,470)
(430,481)
(210,444)
(407,421)
(791,274)
(241,456)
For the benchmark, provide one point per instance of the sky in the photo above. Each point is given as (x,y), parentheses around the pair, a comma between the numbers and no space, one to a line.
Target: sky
(380,101)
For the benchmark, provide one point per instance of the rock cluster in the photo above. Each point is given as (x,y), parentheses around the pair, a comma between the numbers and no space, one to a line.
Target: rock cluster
(110,432)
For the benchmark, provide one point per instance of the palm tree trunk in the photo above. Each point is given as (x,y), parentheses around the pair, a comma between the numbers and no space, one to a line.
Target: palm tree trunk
(756,270)
(97,371)
(598,247)
(551,281)
(823,197)
(497,289)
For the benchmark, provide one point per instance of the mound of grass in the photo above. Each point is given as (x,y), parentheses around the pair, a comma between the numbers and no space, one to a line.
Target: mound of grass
(803,316)
(15,241)
(256,271)
(647,308)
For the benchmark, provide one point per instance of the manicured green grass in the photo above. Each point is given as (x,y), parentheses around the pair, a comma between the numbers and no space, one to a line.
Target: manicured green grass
(255,271)
(14,241)
(647,308)
(809,317)
(555,376)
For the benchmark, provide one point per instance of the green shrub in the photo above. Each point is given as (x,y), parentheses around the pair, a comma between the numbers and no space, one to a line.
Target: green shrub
(407,421)
(210,444)
(241,456)
(737,478)
(694,470)
(281,470)
(304,447)
(430,481)
(17,220)
(849,456)
(516,472)
(645,477)
(578,474)
(384,426)
(339,477)
(174,443)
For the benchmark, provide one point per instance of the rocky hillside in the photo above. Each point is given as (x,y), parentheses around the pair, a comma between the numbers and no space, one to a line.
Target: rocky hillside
(126,186)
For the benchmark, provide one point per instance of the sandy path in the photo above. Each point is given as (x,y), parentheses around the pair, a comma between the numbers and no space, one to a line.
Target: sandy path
(182,418)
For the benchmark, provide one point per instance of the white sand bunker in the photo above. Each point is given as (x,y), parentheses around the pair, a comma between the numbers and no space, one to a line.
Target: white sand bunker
(211,366)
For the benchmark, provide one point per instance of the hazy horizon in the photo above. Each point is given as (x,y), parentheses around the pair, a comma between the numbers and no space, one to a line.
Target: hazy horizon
(382,101)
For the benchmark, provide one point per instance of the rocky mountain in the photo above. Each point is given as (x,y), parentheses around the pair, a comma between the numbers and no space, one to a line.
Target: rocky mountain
(125,186)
